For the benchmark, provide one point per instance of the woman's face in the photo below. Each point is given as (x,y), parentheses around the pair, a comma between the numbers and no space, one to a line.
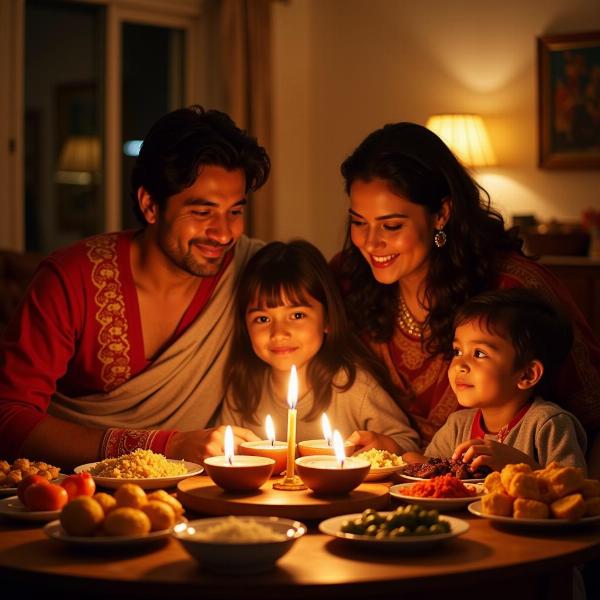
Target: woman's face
(394,235)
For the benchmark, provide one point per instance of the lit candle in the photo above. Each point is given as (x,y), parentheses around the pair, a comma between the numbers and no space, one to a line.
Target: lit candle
(292,399)
(326,429)
(338,446)
(229,444)
(270,429)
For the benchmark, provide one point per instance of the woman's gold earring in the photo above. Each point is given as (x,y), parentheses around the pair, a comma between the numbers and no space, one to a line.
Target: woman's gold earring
(440,238)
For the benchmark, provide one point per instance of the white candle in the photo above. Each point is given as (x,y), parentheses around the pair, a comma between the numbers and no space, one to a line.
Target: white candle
(270,429)
(292,399)
(326,429)
(229,444)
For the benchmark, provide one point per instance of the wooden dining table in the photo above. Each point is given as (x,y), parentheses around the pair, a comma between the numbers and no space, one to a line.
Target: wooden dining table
(488,561)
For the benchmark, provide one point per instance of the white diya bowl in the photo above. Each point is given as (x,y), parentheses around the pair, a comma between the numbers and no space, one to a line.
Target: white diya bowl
(323,474)
(232,544)
(245,474)
(322,447)
(276,450)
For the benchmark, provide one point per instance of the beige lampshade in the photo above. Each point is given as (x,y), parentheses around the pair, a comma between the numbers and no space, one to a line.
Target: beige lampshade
(79,160)
(466,136)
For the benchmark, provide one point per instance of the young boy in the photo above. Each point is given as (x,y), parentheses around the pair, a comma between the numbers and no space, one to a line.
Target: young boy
(508,344)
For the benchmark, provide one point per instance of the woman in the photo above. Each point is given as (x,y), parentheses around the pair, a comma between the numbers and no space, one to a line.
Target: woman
(421,240)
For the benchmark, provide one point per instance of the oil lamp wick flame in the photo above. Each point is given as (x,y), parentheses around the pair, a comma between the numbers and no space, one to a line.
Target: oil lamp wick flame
(270,430)
(229,444)
(326,429)
(338,446)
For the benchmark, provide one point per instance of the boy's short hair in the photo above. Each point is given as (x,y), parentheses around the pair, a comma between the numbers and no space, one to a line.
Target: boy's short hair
(536,328)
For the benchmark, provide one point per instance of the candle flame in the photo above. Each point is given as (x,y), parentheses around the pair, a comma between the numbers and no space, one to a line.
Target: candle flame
(292,397)
(326,429)
(270,430)
(338,446)
(229,444)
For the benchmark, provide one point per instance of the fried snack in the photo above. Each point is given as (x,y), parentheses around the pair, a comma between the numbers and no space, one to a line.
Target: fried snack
(126,521)
(493,483)
(565,481)
(590,488)
(161,515)
(523,485)
(13,478)
(497,503)
(592,506)
(130,495)
(509,471)
(106,501)
(4,466)
(570,507)
(530,509)
(168,499)
(82,516)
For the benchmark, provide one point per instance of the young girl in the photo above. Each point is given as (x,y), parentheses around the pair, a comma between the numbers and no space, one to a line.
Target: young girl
(508,347)
(289,312)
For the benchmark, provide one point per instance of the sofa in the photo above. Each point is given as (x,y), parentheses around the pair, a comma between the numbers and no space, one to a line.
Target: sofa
(16,271)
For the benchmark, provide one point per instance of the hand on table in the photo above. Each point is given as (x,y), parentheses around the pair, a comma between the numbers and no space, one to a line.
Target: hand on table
(195,446)
(366,440)
(491,453)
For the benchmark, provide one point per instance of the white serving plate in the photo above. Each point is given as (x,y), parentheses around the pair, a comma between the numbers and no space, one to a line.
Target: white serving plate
(382,473)
(475,509)
(13,508)
(238,556)
(332,527)
(55,531)
(148,483)
(440,504)
(411,478)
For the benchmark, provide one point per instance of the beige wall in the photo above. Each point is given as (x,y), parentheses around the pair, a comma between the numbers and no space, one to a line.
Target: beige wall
(345,67)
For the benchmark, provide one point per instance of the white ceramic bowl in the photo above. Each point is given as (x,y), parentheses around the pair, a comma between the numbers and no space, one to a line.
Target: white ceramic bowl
(235,556)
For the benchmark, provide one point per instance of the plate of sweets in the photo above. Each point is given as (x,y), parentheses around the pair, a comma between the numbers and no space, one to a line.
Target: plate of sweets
(383,463)
(141,467)
(406,528)
(444,492)
(552,497)
(11,474)
(443,466)
(129,518)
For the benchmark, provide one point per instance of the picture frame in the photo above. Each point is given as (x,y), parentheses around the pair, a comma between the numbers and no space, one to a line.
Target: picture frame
(569,100)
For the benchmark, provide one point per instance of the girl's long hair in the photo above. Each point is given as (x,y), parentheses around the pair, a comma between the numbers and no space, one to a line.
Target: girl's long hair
(295,272)
(418,166)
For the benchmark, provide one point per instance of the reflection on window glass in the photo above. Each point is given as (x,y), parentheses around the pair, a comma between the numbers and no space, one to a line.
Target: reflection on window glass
(152,82)
(63,123)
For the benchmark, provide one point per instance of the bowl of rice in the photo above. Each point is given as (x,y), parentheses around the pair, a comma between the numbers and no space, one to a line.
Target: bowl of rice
(238,544)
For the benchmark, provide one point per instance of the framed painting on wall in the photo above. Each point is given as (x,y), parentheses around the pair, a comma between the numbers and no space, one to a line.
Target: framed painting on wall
(569,100)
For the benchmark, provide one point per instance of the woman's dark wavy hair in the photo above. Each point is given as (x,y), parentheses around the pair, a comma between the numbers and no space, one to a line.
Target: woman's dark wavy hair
(418,166)
(184,140)
(295,272)
(536,328)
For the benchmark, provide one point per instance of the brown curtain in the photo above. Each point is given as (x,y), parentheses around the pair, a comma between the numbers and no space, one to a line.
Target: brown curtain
(246,68)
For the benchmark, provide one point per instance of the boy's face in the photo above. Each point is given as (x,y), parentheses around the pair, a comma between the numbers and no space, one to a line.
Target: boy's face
(482,372)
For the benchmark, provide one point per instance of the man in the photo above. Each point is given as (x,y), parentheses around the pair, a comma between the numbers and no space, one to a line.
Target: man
(121,338)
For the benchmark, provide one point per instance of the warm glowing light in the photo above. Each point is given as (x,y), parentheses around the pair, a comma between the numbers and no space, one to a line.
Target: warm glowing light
(229,444)
(270,429)
(466,136)
(338,446)
(292,397)
(326,429)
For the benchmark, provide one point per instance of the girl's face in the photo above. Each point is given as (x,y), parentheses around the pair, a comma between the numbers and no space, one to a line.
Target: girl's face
(289,334)
(394,235)
(482,372)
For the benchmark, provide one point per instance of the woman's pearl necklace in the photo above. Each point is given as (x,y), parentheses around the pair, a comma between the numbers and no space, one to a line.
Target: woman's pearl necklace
(407,322)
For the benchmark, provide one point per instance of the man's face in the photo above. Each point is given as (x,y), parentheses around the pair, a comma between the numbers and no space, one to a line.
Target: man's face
(201,223)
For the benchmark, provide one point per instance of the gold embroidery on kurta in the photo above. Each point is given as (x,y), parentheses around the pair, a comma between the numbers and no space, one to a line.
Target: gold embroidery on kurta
(112,338)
